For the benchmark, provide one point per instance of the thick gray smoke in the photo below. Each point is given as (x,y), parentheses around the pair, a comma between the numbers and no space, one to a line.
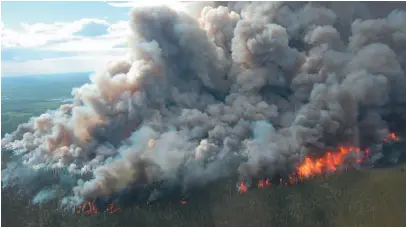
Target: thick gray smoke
(248,89)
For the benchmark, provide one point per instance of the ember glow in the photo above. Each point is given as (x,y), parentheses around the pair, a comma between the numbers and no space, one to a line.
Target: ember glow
(87,208)
(310,167)
(261,184)
(264,183)
(90,208)
(112,208)
(243,188)
(330,162)
(391,137)
(242,95)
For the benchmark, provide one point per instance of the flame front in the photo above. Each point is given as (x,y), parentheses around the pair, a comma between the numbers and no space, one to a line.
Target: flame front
(87,208)
(90,208)
(332,160)
(242,188)
(328,163)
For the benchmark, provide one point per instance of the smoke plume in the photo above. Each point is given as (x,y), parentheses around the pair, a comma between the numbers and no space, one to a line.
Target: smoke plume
(246,88)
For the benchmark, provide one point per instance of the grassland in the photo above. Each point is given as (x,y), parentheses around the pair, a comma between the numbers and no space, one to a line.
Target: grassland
(351,199)
(25,97)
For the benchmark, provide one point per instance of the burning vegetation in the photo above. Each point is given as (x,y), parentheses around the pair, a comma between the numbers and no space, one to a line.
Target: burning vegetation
(90,208)
(262,89)
(332,161)
(342,159)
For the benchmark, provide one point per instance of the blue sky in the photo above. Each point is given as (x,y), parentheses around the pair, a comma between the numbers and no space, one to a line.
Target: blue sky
(61,37)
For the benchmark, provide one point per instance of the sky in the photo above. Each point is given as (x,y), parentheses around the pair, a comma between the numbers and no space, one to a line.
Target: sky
(63,37)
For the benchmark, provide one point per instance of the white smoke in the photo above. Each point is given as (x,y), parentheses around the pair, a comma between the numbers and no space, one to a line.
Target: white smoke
(247,89)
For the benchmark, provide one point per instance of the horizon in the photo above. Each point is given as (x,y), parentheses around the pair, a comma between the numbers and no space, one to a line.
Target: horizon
(48,38)
(208,104)
(41,38)
(48,75)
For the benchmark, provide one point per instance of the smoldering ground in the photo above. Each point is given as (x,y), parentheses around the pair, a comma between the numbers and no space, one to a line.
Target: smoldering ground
(246,88)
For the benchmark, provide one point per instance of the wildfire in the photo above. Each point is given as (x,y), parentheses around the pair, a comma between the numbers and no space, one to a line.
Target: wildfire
(267,182)
(391,137)
(243,187)
(87,208)
(261,184)
(90,208)
(112,208)
(328,163)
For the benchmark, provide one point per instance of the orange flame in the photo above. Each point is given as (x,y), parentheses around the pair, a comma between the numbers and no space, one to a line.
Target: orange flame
(331,161)
(391,137)
(293,179)
(90,208)
(112,208)
(87,208)
(267,182)
(261,184)
(328,163)
(264,183)
(243,187)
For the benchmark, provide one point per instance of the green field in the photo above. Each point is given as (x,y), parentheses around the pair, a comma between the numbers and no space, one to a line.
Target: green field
(25,97)
(352,199)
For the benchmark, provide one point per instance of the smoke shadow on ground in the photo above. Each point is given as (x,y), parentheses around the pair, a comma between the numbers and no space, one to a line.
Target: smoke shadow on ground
(350,199)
